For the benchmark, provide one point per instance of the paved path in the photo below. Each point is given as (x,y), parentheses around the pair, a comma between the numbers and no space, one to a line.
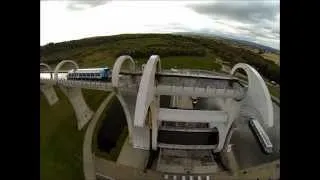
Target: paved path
(88,161)
(230,160)
(264,171)
(123,172)
(132,157)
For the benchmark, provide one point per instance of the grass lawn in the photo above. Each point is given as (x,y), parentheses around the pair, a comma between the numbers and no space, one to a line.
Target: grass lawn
(60,141)
(186,62)
(190,62)
(272,57)
(274,91)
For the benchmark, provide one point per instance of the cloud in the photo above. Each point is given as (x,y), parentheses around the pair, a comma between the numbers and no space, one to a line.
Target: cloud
(82,4)
(243,11)
(257,21)
(74,19)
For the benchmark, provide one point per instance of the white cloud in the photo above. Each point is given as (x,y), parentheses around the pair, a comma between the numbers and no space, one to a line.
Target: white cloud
(60,23)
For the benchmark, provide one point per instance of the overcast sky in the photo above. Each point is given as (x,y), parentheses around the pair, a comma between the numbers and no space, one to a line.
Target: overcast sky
(254,20)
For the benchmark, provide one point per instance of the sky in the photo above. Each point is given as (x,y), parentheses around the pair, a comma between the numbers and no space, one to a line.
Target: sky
(252,20)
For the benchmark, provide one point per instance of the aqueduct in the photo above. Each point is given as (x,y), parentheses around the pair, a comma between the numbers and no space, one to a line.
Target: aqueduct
(145,88)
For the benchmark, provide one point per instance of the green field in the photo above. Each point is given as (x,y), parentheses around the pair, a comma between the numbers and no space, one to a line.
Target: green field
(181,62)
(60,141)
(274,91)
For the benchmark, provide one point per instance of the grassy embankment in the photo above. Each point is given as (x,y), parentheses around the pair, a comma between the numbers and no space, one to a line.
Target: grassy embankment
(60,141)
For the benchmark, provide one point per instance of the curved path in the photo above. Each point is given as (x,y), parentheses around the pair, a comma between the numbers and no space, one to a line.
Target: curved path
(88,160)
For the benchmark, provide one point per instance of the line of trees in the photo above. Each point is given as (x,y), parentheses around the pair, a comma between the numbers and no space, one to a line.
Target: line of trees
(162,52)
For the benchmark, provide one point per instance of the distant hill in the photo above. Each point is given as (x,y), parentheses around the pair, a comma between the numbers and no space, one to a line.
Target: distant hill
(234,40)
(256,45)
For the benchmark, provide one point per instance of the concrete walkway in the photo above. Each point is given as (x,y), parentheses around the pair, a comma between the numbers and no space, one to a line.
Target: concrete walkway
(230,160)
(133,157)
(122,172)
(88,160)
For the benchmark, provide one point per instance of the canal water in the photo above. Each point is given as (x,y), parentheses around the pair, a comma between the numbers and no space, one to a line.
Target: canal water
(112,126)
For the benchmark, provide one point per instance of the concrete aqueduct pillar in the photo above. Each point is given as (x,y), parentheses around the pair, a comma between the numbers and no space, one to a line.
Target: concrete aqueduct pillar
(48,90)
(225,130)
(81,109)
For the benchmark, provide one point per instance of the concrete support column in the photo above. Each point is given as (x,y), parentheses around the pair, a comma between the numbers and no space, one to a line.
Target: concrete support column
(233,108)
(81,109)
(228,138)
(222,136)
(83,112)
(154,119)
(49,93)
(48,90)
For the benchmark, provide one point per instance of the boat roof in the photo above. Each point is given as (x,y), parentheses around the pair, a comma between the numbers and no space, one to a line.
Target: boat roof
(89,70)
(92,69)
